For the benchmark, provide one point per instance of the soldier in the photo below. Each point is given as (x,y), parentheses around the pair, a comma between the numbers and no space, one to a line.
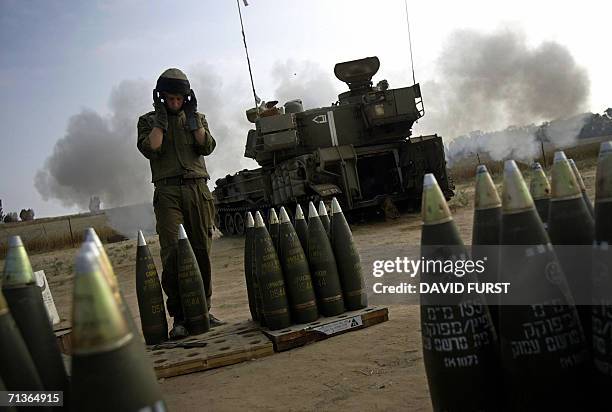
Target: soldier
(175,137)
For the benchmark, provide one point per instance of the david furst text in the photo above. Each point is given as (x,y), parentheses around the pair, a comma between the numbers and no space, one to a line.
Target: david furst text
(487,288)
(456,267)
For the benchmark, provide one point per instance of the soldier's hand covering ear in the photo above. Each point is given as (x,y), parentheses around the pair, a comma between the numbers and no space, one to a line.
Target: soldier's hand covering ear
(161,115)
(190,108)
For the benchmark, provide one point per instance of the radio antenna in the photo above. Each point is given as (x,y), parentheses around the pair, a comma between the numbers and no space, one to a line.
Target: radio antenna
(409,41)
(246,50)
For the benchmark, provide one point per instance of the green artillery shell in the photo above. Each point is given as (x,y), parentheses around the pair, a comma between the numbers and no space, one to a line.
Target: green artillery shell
(348,261)
(273,224)
(110,371)
(324,218)
(583,191)
(539,188)
(301,227)
(16,365)
(150,297)
(249,267)
(569,210)
(486,231)
(459,342)
(532,354)
(111,278)
(602,277)
(25,302)
(270,278)
(298,282)
(325,277)
(487,210)
(191,287)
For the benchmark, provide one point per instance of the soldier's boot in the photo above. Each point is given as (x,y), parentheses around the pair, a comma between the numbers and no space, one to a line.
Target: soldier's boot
(214,321)
(178,331)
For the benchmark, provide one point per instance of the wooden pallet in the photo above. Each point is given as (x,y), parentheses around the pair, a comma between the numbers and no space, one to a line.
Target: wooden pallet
(323,328)
(222,346)
(63,339)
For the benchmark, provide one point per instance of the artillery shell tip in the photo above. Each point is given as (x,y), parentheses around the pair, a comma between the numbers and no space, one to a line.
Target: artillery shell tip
(258,220)
(182,233)
(510,166)
(336,206)
(249,220)
(429,180)
(92,236)
(86,257)
(322,209)
(299,214)
(273,217)
(559,156)
(481,169)
(312,210)
(284,217)
(15,241)
(141,239)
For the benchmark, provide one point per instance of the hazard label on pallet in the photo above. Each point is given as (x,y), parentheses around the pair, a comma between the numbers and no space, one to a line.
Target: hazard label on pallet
(339,325)
(324,328)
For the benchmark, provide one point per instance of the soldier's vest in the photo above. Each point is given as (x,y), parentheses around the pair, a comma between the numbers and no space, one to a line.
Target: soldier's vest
(178,156)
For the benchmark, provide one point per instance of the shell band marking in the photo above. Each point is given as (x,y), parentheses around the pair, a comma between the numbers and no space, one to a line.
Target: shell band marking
(332,298)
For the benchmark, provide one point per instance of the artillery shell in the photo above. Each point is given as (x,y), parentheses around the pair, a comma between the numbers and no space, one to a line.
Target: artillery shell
(348,261)
(110,371)
(25,302)
(270,278)
(191,287)
(150,297)
(298,282)
(325,277)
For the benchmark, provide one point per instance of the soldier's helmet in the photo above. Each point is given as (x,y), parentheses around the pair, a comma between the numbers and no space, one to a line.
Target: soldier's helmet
(173,81)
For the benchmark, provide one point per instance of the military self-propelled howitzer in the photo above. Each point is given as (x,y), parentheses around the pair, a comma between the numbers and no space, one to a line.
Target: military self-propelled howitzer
(358,150)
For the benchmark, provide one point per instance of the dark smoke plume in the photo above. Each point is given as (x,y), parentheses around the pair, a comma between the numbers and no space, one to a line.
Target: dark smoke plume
(98,157)
(487,82)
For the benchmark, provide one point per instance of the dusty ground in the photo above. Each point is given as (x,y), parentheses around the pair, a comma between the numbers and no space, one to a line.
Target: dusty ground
(378,368)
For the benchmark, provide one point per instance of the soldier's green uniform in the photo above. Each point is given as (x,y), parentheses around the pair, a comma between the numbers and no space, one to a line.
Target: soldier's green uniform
(181,195)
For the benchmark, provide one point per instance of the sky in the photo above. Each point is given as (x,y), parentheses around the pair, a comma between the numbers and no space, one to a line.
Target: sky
(75,75)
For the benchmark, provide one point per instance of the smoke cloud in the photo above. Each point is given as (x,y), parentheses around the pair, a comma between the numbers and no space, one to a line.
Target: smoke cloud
(307,81)
(98,156)
(490,90)
(489,81)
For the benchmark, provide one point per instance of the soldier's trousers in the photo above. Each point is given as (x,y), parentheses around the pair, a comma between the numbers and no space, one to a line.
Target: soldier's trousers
(192,205)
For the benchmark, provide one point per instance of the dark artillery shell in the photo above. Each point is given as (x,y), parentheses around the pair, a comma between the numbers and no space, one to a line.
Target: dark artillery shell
(121,379)
(16,365)
(191,289)
(533,354)
(462,367)
(28,310)
(270,280)
(348,261)
(298,282)
(325,277)
(249,272)
(150,298)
